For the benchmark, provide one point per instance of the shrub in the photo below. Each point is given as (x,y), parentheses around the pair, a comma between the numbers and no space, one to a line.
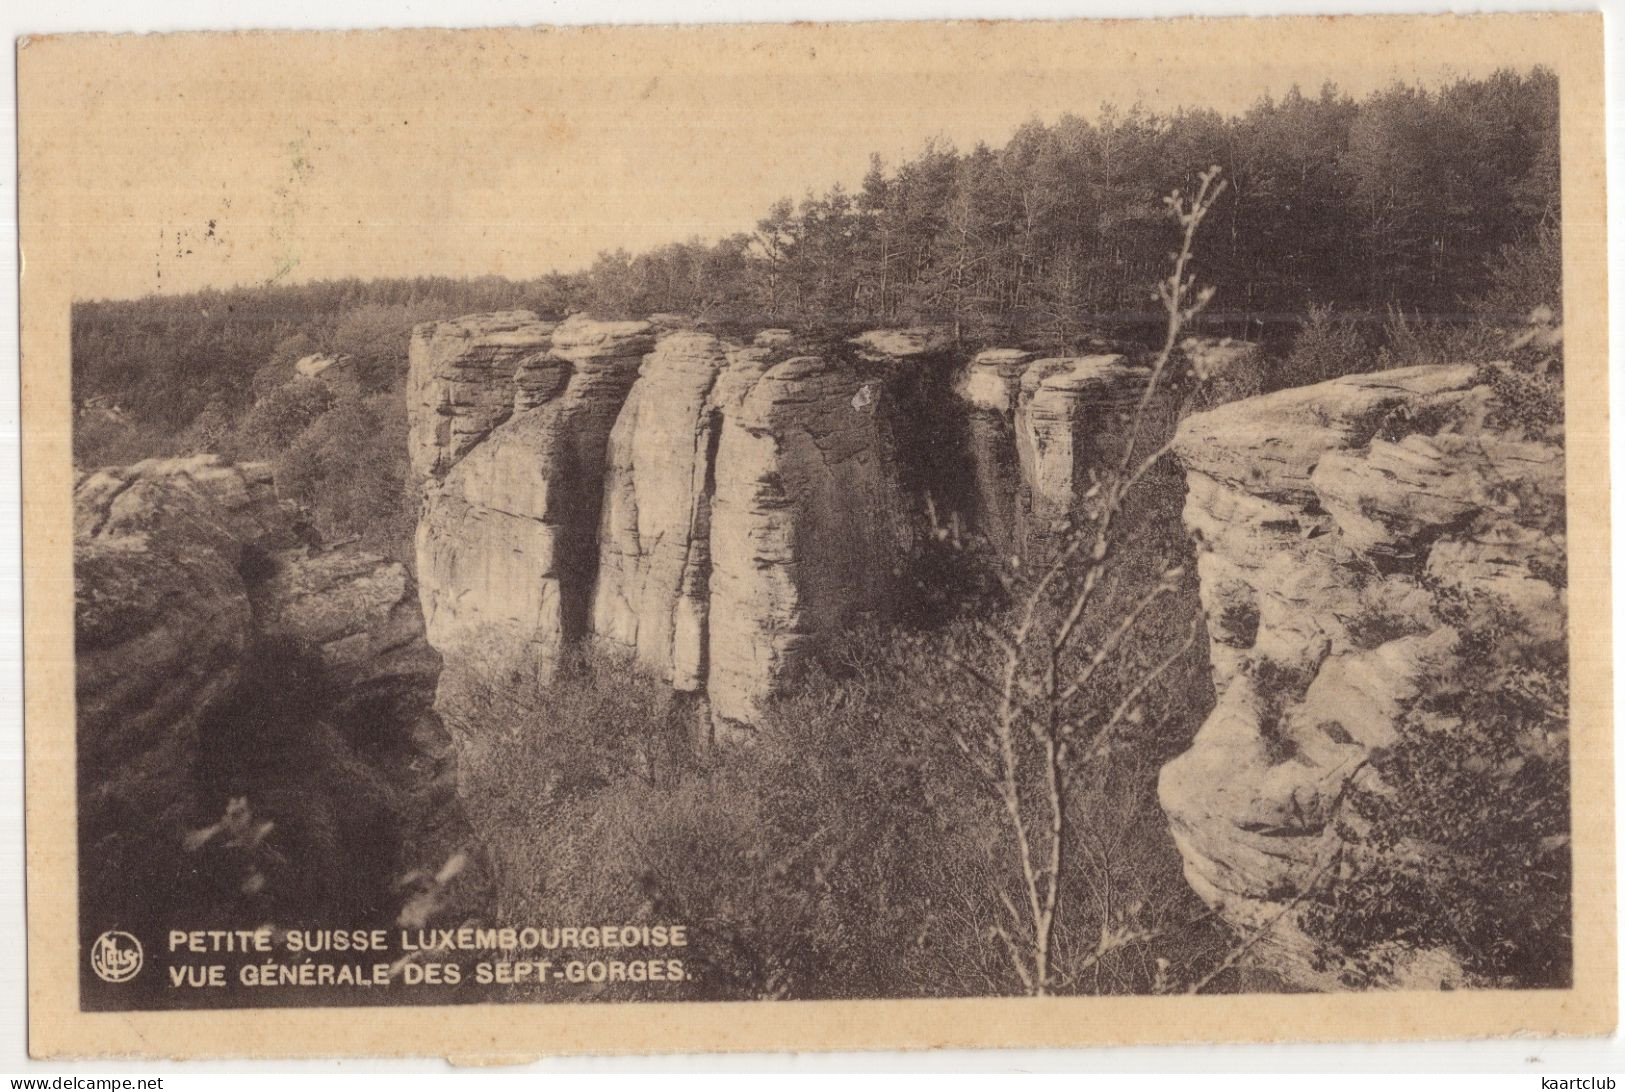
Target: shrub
(348,468)
(1326,347)
(278,419)
(1529,389)
(269,377)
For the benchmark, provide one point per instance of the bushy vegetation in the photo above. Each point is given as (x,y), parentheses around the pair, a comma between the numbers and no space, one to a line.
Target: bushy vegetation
(870,841)
(348,469)
(164,358)
(847,851)
(1460,842)
(1327,346)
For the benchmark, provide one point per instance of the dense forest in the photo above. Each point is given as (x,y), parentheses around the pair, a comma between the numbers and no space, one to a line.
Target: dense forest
(1353,225)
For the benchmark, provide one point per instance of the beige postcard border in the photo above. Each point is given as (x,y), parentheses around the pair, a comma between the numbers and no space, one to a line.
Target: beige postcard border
(49,156)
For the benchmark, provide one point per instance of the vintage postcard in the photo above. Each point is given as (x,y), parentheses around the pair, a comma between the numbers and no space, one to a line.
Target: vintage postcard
(816,536)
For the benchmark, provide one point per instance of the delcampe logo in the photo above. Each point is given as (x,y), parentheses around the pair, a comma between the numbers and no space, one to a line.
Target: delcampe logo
(116,956)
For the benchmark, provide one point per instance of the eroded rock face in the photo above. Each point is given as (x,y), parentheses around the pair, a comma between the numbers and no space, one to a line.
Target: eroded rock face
(714,508)
(749,507)
(222,658)
(469,375)
(990,389)
(162,617)
(890,346)
(1070,420)
(507,540)
(1331,522)
(806,525)
(1036,429)
(359,614)
(653,593)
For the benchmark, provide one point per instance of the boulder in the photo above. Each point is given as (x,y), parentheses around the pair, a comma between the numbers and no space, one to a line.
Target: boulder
(894,345)
(162,619)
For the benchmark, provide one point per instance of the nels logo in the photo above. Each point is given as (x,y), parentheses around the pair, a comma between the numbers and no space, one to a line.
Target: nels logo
(116,956)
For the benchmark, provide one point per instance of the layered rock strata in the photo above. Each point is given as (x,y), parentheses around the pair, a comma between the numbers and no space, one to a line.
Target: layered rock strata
(714,508)
(507,538)
(653,593)
(1332,523)
(1069,422)
(1040,432)
(467,376)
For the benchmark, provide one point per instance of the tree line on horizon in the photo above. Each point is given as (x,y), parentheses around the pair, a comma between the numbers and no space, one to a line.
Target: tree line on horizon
(1407,202)
(1401,201)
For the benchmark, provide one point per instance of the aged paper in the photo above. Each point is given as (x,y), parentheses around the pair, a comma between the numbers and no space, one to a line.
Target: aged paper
(537,543)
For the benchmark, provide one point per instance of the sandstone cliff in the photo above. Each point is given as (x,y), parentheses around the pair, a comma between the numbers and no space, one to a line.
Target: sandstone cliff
(806,531)
(466,377)
(1336,525)
(714,507)
(990,389)
(507,540)
(255,741)
(1069,422)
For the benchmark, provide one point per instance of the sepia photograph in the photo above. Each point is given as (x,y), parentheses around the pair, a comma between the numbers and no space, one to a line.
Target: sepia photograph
(660,517)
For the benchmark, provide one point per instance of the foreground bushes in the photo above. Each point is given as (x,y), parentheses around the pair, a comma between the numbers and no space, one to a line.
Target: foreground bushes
(848,850)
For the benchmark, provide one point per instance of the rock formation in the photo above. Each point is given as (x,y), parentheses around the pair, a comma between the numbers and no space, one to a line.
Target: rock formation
(507,541)
(1069,421)
(613,487)
(1332,523)
(722,504)
(230,674)
(1037,430)
(162,618)
(805,526)
(466,377)
(771,458)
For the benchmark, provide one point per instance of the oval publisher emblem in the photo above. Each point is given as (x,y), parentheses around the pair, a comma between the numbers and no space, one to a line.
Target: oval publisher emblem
(116,956)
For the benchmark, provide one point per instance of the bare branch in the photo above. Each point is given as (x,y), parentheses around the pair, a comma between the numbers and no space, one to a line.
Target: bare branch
(1114,639)
(1116,718)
